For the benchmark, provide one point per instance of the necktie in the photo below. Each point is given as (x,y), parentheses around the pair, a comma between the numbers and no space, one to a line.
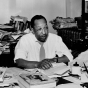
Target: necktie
(42,52)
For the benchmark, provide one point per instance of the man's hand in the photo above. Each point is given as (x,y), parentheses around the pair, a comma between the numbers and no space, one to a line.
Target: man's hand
(45,64)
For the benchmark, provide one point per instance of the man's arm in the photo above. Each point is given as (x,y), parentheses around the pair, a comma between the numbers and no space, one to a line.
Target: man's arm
(44,64)
(63,59)
(26,64)
(64,54)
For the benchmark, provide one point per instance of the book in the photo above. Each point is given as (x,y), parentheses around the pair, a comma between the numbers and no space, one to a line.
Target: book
(38,80)
(58,70)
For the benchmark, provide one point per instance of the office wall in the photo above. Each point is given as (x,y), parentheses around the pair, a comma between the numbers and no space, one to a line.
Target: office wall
(4,11)
(7,8)
(74,8)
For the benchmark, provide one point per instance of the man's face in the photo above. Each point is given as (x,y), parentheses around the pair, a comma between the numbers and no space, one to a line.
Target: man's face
(41,30)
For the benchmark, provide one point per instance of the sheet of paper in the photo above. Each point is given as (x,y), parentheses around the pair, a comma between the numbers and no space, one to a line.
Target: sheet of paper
(84,77)
(16,71)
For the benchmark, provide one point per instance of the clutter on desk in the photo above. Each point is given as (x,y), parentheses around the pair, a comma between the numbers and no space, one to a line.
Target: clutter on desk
(12,78)
(77,77)
(34,78)
(38,80)
(79,71)
(16,77)
(20,23)
(6,27)
(7,38)
(7,79)
(57,70)
(60,22)
(12,32)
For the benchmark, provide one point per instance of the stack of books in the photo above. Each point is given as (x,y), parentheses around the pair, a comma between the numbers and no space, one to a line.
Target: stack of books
(36,80)
(19,23)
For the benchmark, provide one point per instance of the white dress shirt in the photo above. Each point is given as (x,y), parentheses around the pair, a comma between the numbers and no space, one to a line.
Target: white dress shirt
(28,48)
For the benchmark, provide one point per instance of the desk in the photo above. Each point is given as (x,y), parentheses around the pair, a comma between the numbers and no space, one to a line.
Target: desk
(62,82)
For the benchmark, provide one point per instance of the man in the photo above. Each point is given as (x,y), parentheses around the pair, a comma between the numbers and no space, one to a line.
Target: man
(27,50)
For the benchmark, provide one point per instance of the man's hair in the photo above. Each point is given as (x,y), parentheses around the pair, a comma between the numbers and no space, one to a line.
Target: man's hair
(37,17)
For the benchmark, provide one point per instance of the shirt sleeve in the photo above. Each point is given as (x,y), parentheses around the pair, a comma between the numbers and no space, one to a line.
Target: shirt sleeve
(21,49)
(61,49)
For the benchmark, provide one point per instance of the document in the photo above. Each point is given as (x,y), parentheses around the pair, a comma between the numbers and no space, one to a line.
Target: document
(58,69)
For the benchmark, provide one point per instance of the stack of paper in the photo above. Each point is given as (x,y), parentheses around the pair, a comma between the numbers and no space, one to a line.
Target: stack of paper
(38,80)
(59,69)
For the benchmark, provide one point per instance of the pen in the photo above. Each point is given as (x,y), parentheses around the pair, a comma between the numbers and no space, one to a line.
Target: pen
(85,67)
(75,75)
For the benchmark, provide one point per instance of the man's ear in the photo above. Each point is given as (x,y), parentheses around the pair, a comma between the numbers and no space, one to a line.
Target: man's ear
(32,30)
